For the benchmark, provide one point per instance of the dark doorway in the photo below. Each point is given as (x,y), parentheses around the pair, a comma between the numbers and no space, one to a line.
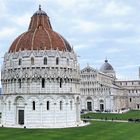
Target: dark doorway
(101,107)
(21,117)
(138,106)
(89,106)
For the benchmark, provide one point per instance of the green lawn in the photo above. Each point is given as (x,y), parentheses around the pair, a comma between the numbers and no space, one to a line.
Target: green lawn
(125,116)
(94,131)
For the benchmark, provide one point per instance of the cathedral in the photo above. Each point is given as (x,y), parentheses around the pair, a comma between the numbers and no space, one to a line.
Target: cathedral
(101,91)
(40,79)
(43,87)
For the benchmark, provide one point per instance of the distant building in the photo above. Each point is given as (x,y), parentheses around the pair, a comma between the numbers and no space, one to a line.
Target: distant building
(102,91)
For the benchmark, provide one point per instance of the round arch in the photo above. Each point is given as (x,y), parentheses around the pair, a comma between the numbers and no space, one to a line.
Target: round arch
(89,103)
(20,110)
(101,103)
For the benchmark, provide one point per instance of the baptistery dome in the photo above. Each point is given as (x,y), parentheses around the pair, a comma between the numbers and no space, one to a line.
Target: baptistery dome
(40,79)
(40,36)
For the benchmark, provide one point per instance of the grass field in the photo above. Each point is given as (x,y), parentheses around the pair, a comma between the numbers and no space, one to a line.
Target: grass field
(94,131)
(125,116)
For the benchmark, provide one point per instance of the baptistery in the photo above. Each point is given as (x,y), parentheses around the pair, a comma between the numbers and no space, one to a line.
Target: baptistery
(40,79)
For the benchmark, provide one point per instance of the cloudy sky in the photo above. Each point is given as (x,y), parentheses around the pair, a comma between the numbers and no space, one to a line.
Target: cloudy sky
(95,28)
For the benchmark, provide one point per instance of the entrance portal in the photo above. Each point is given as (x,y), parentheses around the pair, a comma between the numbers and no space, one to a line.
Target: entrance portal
(89,106)
(138,106)
(101,107)
(21,117)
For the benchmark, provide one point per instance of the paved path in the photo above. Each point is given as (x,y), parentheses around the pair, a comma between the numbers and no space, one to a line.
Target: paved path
(106,120)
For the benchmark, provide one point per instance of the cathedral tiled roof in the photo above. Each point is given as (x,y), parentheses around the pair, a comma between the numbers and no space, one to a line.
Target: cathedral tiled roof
(40,36)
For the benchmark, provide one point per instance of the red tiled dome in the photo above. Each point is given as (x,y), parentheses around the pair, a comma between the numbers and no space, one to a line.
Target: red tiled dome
(40,36)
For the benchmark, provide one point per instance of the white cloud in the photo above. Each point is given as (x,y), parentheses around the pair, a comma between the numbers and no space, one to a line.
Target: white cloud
(42,1)
(99,61)
(115,8)
(84,62)
(114,50)
(3,6)
(3,9)
(128,40)
(128,66)
(80,46)
(85,26)
(67,3)
(71,3)
(7,31)
(78,5)
(23,20)
(121,26)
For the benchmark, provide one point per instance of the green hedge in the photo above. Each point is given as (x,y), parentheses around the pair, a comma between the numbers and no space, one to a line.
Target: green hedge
(124,116)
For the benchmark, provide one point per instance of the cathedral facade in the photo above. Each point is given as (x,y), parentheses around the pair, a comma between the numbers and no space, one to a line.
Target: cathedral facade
(101,91)
(40,79)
